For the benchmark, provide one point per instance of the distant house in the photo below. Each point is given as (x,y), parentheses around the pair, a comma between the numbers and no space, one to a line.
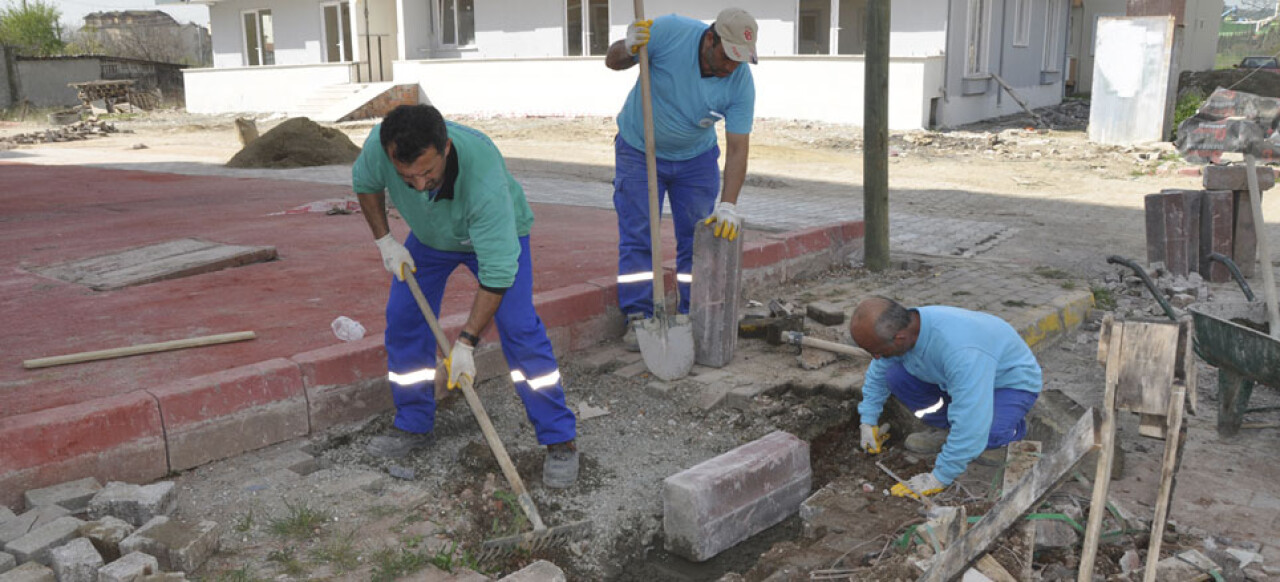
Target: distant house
(545,57)
(147,35)
(1200,20)
(42,81)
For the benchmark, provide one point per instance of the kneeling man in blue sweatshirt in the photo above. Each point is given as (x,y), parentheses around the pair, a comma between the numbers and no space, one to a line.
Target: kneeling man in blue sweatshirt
(967,375)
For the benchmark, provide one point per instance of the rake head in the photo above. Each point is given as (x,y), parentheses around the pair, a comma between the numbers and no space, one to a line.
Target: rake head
(534,541)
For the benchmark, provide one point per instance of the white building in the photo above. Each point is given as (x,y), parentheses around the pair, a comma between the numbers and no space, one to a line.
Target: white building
(545,57)
(1201,21)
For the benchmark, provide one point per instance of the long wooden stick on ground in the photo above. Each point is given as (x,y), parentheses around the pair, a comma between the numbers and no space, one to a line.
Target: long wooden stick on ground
(194,342)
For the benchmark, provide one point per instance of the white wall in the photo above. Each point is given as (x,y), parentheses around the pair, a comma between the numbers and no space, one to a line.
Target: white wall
(1083,33)
(296,23)
(1200,35)
(785,87)
(918,28)
(44,82)
(258,89)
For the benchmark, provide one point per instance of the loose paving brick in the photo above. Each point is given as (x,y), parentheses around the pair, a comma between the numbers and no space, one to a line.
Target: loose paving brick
(164,577)
(106,535)
(174,544)
(73,496)
(7,562)
(129,568)
(136,504)
(6,514)
(76,561)
(539,571)
(825,313)
(36,518)
(39,543)
(29,572)
(1236,178)
(722,501)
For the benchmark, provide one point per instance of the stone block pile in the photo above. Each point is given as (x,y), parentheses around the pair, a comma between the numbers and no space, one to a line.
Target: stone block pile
(81,531)
(80,130)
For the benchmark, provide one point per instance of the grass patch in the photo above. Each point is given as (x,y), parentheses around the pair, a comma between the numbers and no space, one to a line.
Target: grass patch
(381,511)
(244,523)
(1068,285)
(1188,103)
(341,553)
(1103,298)
(510,521)
(288,560)
(1051,273)
(391,564)
(1015,303)
(301,523)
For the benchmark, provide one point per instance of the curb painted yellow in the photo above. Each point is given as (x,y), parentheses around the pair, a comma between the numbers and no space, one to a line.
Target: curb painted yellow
(1065,318)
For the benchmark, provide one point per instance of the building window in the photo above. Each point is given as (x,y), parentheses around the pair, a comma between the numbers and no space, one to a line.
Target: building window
(337,32)
(1022,23)
(457,22)
(975,61)
(595,35)
(813,27)
(259,38)
(1053,35)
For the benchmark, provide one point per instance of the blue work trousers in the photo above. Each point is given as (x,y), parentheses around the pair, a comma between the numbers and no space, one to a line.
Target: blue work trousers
(1008,420)
(693,185)
(411,347)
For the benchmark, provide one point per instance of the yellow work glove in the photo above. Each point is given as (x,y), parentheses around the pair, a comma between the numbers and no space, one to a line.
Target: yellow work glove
(460,363)
(922,484)
(727,222)
(637,35)
(874,437)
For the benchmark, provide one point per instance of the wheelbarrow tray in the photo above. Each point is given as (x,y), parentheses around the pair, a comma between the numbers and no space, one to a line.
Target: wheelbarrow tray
(1243,356)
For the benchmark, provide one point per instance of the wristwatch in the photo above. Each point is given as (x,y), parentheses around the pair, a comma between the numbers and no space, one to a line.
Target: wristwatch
(471,338)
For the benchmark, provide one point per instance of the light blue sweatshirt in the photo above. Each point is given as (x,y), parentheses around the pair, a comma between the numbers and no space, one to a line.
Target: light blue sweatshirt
(968,355)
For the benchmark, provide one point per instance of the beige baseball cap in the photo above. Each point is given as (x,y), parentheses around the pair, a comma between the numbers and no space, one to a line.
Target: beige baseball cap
(737,31)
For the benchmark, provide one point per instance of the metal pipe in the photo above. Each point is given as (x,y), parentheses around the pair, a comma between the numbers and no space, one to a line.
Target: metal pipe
(1151,286)
(1235,273)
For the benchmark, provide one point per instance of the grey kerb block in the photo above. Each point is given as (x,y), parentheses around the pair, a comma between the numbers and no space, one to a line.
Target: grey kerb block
(38,544)
(133,503)
(128,568)
(72,495)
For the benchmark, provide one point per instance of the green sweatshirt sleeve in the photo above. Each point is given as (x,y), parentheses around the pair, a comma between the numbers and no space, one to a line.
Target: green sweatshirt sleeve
(491,223)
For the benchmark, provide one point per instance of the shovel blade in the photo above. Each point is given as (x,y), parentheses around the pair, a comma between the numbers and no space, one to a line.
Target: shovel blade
(667,346)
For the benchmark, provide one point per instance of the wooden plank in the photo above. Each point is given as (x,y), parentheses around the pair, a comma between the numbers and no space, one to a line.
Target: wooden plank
(1102,473)
(714,296)
(158,262)
(1020,459)
(1167,470)
(992,569)
(1184,371)
(1147,360)
(138,349)
(1048,471)
(1104,337)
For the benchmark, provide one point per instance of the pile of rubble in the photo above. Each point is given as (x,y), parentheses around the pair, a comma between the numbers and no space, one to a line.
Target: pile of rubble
(1133,297)
(129,535)
(80,130)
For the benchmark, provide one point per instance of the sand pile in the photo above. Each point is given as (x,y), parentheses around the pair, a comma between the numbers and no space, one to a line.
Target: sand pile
(296,143)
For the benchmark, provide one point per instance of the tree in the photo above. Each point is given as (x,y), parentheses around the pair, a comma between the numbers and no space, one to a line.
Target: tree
(31,27)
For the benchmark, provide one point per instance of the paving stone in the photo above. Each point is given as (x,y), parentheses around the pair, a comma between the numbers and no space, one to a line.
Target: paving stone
(136,504)
(29,572)
(76,561)
(6,514)
(711,396)
(722,501)
(540,571)
(37,545)
(73,496)
(31,520)
(825,313)
(1216,224)
(176,545)
(631,370)
(106,535)
(814,358)
(7,562)
(129,568)
(164,577)
(658,389)
(742,396)
(1236,178)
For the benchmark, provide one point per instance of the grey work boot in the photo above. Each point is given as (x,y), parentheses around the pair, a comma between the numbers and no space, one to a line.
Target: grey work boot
(928,442)
(560,470)
(396,443)
(629,340)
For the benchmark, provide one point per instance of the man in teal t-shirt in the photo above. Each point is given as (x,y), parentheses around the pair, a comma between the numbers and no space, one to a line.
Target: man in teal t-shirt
(699,77)
(463,207)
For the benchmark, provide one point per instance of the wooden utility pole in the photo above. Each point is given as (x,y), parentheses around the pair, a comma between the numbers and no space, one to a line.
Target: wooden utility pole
(875,138)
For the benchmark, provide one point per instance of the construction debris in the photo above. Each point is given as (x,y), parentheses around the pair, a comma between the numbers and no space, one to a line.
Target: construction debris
(79,131)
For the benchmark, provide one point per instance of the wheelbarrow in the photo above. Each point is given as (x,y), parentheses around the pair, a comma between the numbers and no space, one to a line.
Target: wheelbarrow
(1231,337)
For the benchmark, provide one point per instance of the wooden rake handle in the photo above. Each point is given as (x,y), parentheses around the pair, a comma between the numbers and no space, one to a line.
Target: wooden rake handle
(482,417)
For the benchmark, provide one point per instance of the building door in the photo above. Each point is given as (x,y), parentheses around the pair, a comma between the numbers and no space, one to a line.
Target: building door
(586,25)
(813,34)
(259,38)
(337,32)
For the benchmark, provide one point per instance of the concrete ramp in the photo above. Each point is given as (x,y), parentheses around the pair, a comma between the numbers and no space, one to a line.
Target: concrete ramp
(352,101)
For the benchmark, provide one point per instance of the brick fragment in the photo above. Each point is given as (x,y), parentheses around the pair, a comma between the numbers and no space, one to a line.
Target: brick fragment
(825,313)
(129,568)
(6,514)
(176,545)
(106,535)
(722,501)
(1236,178)
(76,561)
(38,544)
(136,504)
(539,571)
(7,562)
(73,496)
(29,572)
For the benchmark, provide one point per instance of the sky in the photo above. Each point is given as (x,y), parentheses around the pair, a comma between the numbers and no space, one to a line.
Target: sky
(73,11)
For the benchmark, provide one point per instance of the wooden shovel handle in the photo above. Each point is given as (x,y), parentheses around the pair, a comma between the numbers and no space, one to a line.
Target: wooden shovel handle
(651,164)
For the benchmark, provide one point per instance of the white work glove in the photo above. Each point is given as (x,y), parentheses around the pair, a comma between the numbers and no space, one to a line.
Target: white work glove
(726,219)
(873,437)
(460,363)
(395,257)
(922,484)
(637,35)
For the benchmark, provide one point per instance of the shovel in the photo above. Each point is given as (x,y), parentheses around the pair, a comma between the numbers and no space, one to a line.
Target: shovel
(541,537)
(666,341)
